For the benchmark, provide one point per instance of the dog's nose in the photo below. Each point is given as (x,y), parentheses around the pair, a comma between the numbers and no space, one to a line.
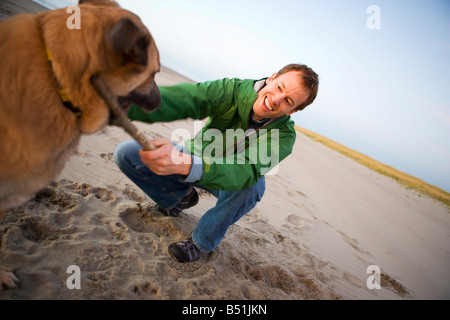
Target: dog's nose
(154,97)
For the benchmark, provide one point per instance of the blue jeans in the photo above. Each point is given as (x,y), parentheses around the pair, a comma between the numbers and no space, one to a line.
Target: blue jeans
(168,190)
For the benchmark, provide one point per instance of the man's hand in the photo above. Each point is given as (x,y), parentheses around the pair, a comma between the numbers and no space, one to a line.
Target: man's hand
(166,160)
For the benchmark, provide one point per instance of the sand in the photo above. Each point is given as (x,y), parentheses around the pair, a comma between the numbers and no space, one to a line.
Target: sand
(323,220)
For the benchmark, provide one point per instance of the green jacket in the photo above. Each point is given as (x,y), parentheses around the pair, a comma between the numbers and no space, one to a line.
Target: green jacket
(231,161)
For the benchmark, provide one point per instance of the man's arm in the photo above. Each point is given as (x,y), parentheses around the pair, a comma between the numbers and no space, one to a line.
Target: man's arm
(189,100)
(186,100)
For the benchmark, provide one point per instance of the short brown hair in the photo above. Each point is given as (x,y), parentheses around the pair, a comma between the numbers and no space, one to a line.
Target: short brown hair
(309,79)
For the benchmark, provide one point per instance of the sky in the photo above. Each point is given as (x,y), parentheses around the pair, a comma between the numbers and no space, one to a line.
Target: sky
(384,65)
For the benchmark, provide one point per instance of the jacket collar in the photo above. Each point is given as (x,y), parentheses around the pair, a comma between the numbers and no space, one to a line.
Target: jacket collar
(259,84)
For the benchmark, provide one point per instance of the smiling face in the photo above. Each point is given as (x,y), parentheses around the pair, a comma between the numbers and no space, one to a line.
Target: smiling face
(281,96)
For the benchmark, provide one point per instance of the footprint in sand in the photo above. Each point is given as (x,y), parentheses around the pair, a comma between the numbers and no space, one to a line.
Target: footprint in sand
(61,199)
(193,269)
(37,230)
(140,219)
(107,156)
(83,189)
(146,288)
(295,220)
(392,284)
(54,197)
(352,242)
(103,194)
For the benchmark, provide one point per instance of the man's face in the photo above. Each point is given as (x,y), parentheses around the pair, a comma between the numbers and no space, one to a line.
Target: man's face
(280,96)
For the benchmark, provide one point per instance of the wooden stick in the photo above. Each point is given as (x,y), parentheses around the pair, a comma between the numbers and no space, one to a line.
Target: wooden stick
(119,117)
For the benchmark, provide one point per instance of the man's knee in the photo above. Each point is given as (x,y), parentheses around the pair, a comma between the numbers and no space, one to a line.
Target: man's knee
(122,152)
(260,188)
(254,193)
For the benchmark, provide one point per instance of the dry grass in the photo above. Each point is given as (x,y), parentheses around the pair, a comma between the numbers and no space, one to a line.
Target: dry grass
(401,177)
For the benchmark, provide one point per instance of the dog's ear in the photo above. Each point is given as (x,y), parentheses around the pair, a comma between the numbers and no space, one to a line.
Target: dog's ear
(129,41)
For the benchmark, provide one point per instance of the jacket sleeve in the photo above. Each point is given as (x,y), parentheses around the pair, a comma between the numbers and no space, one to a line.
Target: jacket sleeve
(189,100)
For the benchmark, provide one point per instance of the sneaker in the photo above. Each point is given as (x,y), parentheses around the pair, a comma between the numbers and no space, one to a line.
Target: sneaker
(185,251)
(190,200)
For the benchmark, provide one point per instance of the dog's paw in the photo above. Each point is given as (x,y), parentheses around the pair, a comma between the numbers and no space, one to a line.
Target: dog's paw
(7,278)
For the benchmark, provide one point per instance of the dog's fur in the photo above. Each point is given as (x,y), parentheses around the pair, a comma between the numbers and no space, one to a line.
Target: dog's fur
(37,132)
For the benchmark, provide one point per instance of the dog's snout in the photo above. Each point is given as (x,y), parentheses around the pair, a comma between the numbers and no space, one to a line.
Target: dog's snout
(155,96)
(147,100)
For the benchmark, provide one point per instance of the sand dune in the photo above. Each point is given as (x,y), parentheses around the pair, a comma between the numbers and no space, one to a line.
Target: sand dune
(323,221)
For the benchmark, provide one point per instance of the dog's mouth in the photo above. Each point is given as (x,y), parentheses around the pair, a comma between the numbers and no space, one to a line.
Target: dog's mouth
(126,106)
(148,101)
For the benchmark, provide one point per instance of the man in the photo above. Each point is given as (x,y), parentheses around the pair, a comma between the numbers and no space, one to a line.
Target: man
(257,113)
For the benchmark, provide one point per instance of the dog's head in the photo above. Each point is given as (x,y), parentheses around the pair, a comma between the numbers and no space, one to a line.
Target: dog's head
(135,60)
(120,51)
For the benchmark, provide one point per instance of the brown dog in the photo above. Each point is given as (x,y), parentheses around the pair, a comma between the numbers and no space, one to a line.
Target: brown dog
(46,96)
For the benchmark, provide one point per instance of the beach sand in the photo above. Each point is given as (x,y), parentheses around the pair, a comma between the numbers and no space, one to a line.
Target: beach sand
(323,220)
